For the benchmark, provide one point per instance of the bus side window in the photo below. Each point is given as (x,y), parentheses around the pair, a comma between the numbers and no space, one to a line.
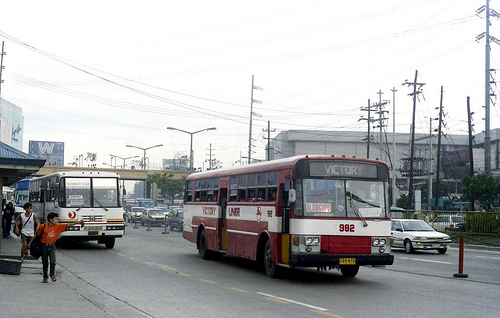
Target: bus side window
(271,194)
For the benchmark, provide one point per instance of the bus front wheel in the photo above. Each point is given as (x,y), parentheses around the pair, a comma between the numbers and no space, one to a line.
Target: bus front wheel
(267,258)
(109,242)
(202,245)
(349,270)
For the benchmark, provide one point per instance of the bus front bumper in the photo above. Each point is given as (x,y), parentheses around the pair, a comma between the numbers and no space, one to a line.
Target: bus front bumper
(315,260)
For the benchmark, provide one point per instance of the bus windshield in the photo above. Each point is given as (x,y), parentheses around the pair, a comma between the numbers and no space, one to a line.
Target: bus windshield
(340,198)
(80,192)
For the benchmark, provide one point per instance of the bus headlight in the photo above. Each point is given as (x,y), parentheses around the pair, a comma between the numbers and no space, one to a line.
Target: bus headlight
(379,241)
(312,240)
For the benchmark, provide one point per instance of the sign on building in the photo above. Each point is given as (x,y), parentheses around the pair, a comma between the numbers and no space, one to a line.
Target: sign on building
(52,151)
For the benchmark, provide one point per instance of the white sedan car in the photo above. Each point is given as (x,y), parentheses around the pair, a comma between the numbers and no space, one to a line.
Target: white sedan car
(418,235)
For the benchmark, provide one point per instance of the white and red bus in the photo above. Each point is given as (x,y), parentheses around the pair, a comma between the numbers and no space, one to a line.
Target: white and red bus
(305,211)
(89,195)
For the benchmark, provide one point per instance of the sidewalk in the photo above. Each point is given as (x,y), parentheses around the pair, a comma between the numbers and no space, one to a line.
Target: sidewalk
(25,295)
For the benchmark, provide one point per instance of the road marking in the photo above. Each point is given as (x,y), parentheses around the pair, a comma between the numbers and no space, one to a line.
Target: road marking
(278,300)
(208,281)
(426,260)
(184,274)
(488,257)
(327,314)
(133,258)
(121,254)
(238,290)
(293,302)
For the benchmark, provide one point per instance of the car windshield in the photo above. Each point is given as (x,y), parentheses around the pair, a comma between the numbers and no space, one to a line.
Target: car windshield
(416,226)
(155,212)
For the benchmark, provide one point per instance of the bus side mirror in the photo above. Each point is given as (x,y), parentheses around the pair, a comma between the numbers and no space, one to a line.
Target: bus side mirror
(292,195)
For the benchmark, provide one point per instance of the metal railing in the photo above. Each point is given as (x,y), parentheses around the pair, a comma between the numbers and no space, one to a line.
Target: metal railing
(468,222)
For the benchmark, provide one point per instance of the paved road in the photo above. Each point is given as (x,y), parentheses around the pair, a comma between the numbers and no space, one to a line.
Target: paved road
(150,274)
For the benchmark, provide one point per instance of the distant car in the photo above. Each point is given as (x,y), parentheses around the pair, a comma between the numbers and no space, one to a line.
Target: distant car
(417,235)
(176,220)
(153,216)
(129,203)
(133,213)
(448,222)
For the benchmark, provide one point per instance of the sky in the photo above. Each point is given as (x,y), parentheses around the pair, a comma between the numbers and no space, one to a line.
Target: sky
(100,75)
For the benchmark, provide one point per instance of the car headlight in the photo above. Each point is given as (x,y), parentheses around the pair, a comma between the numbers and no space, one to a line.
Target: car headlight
(311,240)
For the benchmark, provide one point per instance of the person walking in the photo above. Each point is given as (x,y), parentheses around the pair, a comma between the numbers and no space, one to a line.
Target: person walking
(49,233)
(9,214)
(4,219)
(26,225)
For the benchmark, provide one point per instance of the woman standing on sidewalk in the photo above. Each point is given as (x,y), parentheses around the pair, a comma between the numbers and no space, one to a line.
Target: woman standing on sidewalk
(28,223)
(50,232)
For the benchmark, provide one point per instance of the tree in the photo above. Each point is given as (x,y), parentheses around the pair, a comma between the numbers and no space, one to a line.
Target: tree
(482,188)
(92,157)
(169,186)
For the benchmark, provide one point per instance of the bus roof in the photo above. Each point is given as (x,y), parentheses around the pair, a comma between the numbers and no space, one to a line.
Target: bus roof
(98,174)
(271,166)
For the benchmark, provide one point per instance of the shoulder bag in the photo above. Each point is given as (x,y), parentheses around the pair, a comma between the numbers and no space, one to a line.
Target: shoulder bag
(21,227)
(36,245)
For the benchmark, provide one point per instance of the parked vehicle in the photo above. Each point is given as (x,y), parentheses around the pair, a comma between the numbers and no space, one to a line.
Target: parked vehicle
(176,220)
(153,216)
(135,212)
(417,235)
(448,222)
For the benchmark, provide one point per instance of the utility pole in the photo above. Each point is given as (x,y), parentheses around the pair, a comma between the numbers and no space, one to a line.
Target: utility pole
(416,90)
(251,114)
(393,90)
(369,121)
(429,187)
(269,131)
(488,89)
(438,161)
(381,119)
(471,157)
(487,132)
(1,68)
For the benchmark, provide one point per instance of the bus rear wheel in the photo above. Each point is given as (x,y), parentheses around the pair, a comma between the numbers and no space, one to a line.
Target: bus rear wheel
(349,270)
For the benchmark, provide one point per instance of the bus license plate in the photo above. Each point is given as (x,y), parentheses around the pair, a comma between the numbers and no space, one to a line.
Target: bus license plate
(93,232)
(347,261)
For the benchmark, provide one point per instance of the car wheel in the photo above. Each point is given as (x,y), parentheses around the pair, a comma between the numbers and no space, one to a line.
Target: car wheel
(442,250)
(349,270)
(408,247)
(171,227)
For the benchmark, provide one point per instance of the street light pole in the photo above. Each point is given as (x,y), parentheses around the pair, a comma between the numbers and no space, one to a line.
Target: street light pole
(144,149)
(114,156)
(191,144)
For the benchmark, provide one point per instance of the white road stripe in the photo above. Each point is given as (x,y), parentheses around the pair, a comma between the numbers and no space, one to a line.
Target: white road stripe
(488,257)
(293,301)
(425,260)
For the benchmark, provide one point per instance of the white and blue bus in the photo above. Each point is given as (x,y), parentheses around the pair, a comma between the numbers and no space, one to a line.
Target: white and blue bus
(89,195)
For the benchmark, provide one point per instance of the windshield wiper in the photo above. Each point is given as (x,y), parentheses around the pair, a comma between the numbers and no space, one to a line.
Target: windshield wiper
(102,206)
(356,210)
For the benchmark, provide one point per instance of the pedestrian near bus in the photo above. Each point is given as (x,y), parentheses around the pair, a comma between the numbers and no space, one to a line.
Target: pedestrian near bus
(26,225)
(10,215)
(49,233)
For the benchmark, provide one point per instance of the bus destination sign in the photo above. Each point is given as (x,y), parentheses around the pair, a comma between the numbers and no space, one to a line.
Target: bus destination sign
(342,169)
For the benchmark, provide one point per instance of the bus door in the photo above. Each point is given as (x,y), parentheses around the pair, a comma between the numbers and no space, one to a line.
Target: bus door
(222,225)
(285,204)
